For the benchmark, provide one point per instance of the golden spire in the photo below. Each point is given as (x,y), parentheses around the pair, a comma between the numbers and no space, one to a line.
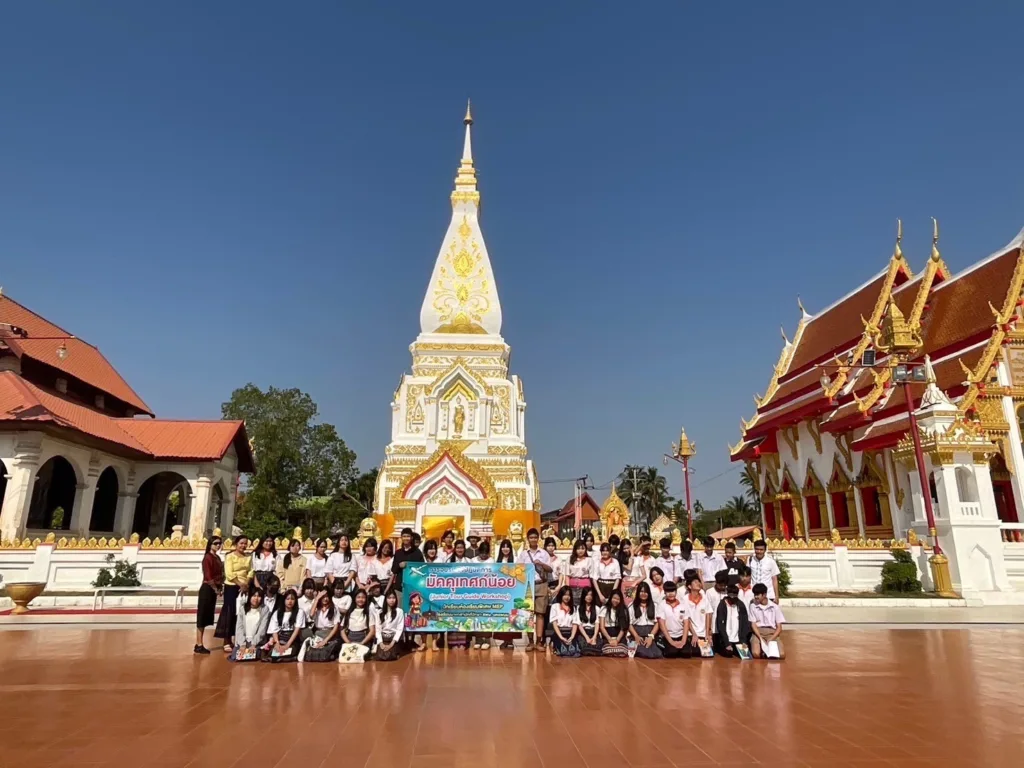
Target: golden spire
(465,180)
(935,240)
(897,252)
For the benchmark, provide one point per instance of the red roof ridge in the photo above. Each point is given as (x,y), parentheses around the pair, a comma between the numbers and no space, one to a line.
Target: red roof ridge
(48,322)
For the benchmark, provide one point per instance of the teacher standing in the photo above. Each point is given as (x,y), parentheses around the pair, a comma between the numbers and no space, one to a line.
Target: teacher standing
(213,584)
(237,574)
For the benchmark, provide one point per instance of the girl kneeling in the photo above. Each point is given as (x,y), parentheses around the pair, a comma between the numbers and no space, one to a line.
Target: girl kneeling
(563,624)
(389,625)
(325,642)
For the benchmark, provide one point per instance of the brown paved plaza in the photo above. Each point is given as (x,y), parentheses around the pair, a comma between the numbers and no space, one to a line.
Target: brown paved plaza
(80,697)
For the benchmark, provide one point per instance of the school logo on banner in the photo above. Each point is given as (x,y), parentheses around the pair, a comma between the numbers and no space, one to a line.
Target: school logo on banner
(468,597)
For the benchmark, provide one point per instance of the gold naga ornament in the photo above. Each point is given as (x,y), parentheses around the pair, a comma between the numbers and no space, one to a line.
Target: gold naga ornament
(614,516)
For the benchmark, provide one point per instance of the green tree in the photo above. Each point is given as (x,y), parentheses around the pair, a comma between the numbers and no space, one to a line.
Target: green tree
(739,511)
(749,482)
(295,457)
(648,493)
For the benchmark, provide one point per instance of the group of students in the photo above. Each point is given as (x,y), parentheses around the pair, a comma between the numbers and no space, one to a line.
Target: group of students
(615,602)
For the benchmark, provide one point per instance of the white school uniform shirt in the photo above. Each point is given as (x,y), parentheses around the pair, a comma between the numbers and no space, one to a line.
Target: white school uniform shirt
(607,571)
(560,617)
(747,596)
(581,569)
(657,593)
(768,616)
(641,566)
(443,556)
(710,565)
(668,567)
(369,565)
(286,622)
(643,620)
(359,620)
(608,615)
(714,598)
(264,562)
(252,621)
(682,566)
(317,568)
(732,623)
(338,566)
(483,560)
(556,568)
(697,613)
(532,557)
(342,604)
(453,559)
(384,570)
(322,621)
(587,625)
(306,605)
(761,572)
(674,617)
(388,624)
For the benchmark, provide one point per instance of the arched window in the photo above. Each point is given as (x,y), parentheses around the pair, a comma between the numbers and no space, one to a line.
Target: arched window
(53,496)
(966,488)
(104,505)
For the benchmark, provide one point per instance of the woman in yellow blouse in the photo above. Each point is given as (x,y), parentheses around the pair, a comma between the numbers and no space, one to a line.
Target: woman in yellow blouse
(237,574)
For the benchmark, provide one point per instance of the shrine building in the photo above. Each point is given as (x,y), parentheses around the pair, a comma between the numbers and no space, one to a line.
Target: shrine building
(82,453)
(829,440)
(458,454)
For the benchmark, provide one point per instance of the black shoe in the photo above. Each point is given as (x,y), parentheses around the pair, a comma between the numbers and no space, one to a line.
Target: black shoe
(202,649)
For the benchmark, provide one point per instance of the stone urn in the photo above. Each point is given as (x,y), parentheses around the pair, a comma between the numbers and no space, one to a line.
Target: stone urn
(22,593)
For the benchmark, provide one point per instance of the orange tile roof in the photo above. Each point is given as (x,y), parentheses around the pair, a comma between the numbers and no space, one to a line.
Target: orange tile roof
(958,308)
(23,402)
(588,509)
(837,325)
(83,362)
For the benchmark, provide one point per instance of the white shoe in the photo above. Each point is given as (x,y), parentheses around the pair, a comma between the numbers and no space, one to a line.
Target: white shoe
(485,646)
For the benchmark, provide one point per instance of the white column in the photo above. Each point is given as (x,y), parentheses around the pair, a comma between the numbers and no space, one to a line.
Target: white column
(830,516)
(81,513)
(18,497)
(200,506)
(1015,461)
(858,502)
(125,514)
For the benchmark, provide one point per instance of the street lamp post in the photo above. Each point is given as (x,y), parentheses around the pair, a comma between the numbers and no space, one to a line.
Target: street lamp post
(682,453)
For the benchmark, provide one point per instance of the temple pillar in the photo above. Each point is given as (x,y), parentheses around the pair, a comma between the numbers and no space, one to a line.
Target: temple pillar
(81,513)
(830,515)
(124,516)
(18,496)
(858,504)
(200,506)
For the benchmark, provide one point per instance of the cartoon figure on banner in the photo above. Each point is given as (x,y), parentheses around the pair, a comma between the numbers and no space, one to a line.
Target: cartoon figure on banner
(415,618)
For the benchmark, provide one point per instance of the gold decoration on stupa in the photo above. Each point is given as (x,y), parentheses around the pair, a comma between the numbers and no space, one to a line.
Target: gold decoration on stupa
(614,516)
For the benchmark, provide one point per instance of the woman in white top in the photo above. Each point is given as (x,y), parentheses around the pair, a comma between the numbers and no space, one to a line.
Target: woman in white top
(447,547)
(458,553)
(368,565)
(316,566)
(388,625)
(264,561)
(342,600)
(286,625)
(614,624)
(325,643)
(483,555)
(385,558)
(556,579)
(357,626)
(607,575)
(247,625)
(587,616)
(341,564)
(562,618)
(579,570)
(657,585)
(307,599)
(643,622)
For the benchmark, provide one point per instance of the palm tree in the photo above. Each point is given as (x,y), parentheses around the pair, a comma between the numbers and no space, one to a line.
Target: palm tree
(739,511)
(749,481)
(649,494)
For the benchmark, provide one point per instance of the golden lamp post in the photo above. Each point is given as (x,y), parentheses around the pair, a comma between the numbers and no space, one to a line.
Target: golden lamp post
(682,452)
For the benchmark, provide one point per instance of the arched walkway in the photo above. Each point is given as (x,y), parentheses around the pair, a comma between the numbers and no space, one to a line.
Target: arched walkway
(55,488)
(104,505)
(158,508)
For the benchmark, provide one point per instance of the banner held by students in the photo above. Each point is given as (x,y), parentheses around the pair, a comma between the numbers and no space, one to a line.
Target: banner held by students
(468,597)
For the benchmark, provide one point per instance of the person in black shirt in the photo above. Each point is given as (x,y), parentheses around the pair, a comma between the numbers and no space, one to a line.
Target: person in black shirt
(407,553)
(733,565)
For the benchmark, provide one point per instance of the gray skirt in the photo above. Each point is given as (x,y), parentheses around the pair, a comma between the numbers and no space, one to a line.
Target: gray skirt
(642,651)
(390,654)
(327,652)
(357,635)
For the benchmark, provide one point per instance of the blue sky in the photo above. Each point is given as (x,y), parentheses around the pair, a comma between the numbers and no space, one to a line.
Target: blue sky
(222,193)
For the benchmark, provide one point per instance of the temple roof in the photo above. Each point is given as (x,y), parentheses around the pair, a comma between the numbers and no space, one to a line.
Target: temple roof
(83,361)
(589,509)
(25,405)
(462,297)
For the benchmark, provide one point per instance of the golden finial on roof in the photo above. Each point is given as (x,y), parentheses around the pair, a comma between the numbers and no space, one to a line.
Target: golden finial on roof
(897,252)
(687,448)
(468,119)
(935,239)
